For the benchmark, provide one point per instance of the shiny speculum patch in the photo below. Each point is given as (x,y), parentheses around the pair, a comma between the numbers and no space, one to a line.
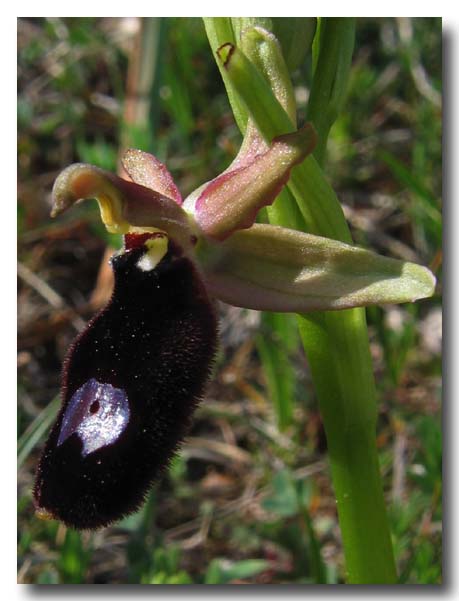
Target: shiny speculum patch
(98,413)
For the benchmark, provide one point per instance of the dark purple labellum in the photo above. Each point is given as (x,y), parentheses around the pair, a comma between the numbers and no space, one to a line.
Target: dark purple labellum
(131,382)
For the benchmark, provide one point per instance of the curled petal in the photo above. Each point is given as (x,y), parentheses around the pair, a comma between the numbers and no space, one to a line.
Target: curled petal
(145,169)
(275,269)
(124,206)
(232,200)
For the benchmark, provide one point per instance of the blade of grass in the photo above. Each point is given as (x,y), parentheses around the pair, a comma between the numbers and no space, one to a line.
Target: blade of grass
(36,431)
(141,107)
(74,558)
(318,569)
(427,204)
(275,343)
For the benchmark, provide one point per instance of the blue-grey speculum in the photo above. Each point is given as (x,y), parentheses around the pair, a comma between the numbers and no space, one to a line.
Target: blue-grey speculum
(98,413)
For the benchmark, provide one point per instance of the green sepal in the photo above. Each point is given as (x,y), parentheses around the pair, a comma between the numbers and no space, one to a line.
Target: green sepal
(271,268)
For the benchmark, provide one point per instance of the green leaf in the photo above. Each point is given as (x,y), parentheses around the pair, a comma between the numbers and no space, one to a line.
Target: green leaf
(220,31)
(74,558)
(221,571)
(295,35)
(48,576)
(331,74)
(284,500)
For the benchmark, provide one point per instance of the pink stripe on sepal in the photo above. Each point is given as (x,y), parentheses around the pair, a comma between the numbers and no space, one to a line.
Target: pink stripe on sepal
(232,200)
(145,169)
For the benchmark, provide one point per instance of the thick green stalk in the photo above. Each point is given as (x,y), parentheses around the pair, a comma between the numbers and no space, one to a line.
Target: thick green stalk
(337,348)
(340,362)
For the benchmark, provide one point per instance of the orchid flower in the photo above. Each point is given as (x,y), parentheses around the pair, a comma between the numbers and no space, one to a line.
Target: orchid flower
(133,378)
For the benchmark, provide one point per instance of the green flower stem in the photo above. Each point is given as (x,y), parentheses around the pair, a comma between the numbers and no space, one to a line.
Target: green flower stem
(338,353)
(337,348)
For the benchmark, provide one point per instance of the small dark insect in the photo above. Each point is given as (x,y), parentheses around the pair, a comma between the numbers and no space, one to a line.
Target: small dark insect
(130,384)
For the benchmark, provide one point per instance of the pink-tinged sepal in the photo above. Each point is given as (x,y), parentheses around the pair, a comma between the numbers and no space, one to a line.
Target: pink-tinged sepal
(232,200)
(124,206)
(270,268)
(145,169)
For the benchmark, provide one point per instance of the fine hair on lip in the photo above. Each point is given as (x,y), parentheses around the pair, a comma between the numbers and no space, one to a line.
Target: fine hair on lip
(132,381)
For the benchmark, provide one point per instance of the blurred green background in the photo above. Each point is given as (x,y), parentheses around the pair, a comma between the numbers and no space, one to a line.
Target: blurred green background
(248,500)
